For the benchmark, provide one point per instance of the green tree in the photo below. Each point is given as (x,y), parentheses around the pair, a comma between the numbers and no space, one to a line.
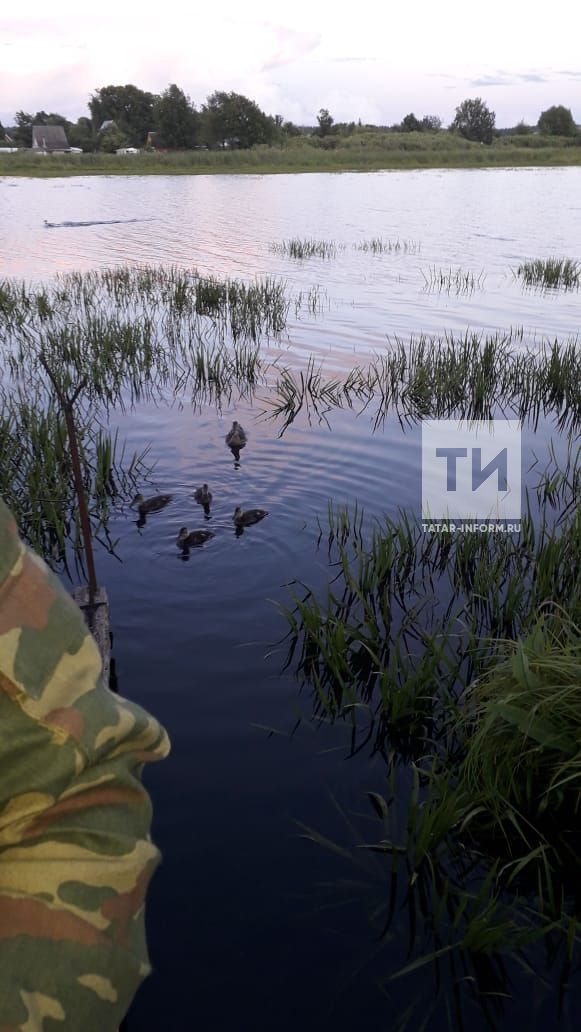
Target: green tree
(431,124)
(474,121)
(232,120)
(129,107)
(325,121)
(557,121)
(411,124)
(175,118)
(112,139)
(23,129)
(83,134)
(522,129)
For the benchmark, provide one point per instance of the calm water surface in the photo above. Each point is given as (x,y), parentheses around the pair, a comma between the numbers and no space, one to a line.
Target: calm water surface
(252,927)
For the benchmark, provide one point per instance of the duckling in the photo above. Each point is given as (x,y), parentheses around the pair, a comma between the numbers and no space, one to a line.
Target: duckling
(246,519)
(203,496)
(193,538)
(146,505)
(236,437)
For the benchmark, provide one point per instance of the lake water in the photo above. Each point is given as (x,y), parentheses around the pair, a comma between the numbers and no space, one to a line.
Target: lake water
(252,927)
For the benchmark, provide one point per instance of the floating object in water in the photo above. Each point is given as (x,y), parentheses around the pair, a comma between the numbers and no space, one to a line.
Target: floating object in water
(193,538)
(94,222)
(203,496)
(246,519)
(147,505)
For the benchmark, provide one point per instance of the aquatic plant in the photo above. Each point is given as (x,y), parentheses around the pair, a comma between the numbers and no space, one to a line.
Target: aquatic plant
(475,376)
(301,249)
(380,245)
(521,722)
(458,659)
(36,474)
(460,281)
(550,272)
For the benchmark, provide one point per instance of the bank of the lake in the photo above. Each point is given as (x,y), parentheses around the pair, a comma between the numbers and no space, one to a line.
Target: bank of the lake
(356,154)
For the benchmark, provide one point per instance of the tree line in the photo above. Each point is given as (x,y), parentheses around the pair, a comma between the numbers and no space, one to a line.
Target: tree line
(125,116)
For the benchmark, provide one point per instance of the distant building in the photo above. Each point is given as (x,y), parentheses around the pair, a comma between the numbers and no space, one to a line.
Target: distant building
(50,139)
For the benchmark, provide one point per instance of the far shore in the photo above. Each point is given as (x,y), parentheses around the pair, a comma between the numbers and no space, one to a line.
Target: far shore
(398,152)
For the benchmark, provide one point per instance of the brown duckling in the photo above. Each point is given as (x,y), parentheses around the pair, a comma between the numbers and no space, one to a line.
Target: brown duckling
(202,495)
(246,519)
(189,539)
(147,505)
(236,437)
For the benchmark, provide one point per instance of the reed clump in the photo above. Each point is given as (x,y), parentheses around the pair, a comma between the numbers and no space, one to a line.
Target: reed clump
(457,658)
(381,245)
(474,376)
(458,281)
(550,273)
(521,722)
(307,248)
(36,475)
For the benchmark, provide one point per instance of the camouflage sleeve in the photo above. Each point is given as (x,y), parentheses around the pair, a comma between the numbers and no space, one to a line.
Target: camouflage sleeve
(75,852)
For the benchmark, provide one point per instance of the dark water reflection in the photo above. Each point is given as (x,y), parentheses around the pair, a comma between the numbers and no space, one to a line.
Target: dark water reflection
(251,926)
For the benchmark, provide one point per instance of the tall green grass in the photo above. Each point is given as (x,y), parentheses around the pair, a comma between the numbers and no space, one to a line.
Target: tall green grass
(380,245)
(131,333)
(550,272)
(308,248)
(475,376)
(36,477)
(457,658)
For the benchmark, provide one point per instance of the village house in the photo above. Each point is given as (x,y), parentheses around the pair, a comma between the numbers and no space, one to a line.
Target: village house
(50,139)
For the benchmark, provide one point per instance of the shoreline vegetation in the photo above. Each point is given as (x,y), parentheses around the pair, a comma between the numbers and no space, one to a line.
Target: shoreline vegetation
(360,153)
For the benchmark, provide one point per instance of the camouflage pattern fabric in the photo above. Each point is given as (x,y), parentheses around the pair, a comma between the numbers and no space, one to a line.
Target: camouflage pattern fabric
(75,852)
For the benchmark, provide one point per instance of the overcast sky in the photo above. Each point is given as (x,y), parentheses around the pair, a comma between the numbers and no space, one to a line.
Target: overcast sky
(371,60)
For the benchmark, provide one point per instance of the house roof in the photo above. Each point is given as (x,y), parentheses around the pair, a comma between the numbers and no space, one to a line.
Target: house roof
(49,138)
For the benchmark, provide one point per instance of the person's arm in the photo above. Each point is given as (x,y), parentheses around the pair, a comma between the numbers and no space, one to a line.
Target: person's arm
(75,852)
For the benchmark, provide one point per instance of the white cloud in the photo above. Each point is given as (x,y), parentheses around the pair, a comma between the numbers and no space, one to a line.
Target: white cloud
(377,62)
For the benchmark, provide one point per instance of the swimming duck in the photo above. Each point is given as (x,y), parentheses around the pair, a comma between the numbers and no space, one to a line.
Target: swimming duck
(146,505)
(193,538)
(202,495)
(246,519)
(236,437)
